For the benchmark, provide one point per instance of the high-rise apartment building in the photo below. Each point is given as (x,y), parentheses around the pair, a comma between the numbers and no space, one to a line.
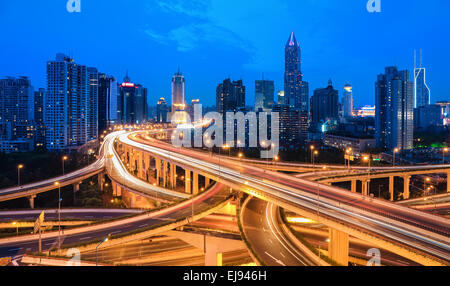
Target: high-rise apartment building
(347,101)
(324,106)
(264,94)
(394,100)
(69,118)
(107,101)
(39,135)
(230,96)
(133,98)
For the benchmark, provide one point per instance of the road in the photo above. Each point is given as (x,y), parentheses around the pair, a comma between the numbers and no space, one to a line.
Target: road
(263,232)
(67,214)
(215,195)
(410,228)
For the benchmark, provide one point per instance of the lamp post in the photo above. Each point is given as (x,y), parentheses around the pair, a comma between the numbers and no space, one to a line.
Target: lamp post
(19,167)
(316,153)
(312,150)
(96,250)
(64,159)
(444,151)
(396,150)
(59,214)
(367,159)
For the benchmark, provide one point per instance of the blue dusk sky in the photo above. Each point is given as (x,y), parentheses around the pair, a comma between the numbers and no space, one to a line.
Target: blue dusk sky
(211,40)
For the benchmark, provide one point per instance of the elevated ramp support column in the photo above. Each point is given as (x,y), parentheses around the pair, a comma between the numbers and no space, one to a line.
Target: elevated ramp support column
(364,186)
(338,246)
(31,199)
(391,188)
(187,181)
(406,183)
(165,174)
(207,182)
(353,189)
(158,170)
(195,184)
(100,179)
(448,182)
(173,176)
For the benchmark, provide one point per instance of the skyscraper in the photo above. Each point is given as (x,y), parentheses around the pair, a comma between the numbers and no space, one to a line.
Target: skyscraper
(347,101)
(324,106)
(178,92)
(161,111)
(230,96)
(107,101)
(39,135)
(290,126)
(92,104)
(394,100)
(68,116)
(17,112)
(264,94)
(281,97)
(133,105)
(422,95)
(296,91)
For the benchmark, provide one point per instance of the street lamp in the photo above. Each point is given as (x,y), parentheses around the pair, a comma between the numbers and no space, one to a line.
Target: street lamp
(312,150)
(316,153)
(96,250)
(367,159)
(444,150)
(396,150)
(19,167)
(64,159)
(58,184)
(348,154)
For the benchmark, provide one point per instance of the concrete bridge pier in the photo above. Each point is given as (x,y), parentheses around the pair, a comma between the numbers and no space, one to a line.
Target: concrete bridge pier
(31,199)
(207,182)
(195,183)
(338,246)
(353,189)
(100,180)
(158,170)
(165,173)
(173,176)
(365,187)
(187,182)
(448,182)
(406,183)
(391,188)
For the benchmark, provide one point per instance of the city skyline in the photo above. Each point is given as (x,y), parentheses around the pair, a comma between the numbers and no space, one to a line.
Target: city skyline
(232,60)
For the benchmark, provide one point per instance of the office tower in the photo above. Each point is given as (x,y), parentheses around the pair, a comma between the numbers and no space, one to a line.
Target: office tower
(394,100)
(324,106)
(178,92)
(230,96)
(445,111)
(290,126)
(39,136)
(281,98)
(347,101)
(428,116)
(190,109)
(264,94)
(133,99)
(293,75)
(107,102)
(16,115)
(92,104)
(161,111)
(422,95)
(71,91)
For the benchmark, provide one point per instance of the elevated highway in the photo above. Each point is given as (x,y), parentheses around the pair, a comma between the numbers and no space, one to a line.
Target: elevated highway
(416,235)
